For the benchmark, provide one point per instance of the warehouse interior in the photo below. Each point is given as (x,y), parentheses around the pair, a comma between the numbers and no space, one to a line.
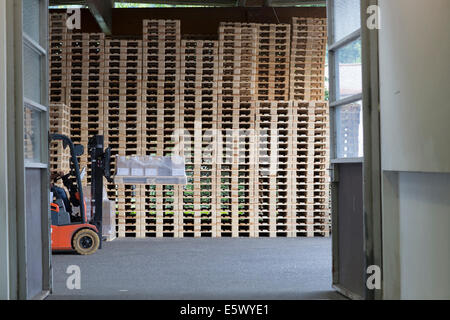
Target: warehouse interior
(312,136)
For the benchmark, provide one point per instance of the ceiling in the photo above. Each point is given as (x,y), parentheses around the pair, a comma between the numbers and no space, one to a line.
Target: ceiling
(102,10)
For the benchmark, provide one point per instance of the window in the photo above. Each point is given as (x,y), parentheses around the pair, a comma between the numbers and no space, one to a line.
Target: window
(347,18)
(31,18)
(32,134)
(345,54)
(32,71)
(34,83)
(349,133)
(348,70)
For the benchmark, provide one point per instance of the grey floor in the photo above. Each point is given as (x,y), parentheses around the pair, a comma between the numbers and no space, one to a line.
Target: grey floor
(279,268)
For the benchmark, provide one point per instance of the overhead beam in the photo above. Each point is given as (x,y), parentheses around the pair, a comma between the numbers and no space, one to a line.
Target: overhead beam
(67,2)
(212,3)
(102,12)
(291,3)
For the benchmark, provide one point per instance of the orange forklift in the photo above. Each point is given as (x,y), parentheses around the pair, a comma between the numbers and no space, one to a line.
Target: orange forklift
(74,231)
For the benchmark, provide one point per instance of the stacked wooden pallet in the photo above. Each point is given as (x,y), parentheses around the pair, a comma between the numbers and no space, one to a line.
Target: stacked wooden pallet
(57,58)
(123,126)
(59,124)
(198,113)
(85,89)
(161,115)
(321,195)
(310,192)
(59,111)
(309,40)
(274,170)
(273,62)
(236,126)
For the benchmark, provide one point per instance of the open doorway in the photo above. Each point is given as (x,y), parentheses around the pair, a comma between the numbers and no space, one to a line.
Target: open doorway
(270,91)
(257,87)
(246,198)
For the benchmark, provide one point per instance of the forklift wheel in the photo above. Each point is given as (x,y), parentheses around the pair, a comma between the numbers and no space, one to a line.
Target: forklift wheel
(86,241)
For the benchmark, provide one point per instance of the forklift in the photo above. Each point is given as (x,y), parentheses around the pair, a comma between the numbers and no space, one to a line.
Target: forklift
(70,232)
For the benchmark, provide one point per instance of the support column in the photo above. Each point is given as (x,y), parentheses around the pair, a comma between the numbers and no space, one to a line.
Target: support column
(4,234)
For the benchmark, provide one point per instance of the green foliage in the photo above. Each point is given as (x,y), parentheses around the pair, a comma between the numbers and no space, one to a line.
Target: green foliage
(351,53)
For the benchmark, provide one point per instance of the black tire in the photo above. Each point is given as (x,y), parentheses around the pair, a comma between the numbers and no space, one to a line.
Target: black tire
(86,242)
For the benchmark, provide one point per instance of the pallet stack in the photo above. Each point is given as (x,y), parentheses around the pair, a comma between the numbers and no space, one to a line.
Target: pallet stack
(274,50)
(274,170)
(59,111)
(85,89)
(246,112)
(198,113)
(58,58)
(59,124)
(321,189)
(161,115)
(123,127)
(310,193)
(236,129)
(309,40)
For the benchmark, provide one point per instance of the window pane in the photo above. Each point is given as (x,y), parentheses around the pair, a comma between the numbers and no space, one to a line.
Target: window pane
(32,74)
(349,70)
(349,131)
(347,18)
(31,19)
(32,133)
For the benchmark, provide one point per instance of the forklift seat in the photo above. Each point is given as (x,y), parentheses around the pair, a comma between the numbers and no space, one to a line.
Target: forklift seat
(60,217)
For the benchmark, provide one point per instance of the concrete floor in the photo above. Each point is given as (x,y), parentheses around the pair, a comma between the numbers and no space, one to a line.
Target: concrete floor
(279,268)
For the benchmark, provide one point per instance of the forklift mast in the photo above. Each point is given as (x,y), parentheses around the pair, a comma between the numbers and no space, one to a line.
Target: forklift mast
(100,167)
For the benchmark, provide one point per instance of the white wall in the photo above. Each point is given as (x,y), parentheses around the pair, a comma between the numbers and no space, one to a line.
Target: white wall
(414,85)
(414,48)
(4,243)
(424,222)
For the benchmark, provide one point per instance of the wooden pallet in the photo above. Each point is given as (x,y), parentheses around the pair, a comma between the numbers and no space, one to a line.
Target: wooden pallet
(308,51)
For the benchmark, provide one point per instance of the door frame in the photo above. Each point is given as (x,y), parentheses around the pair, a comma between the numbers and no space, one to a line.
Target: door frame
(17,229)
(372,142)
(42,106)
(371,160)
